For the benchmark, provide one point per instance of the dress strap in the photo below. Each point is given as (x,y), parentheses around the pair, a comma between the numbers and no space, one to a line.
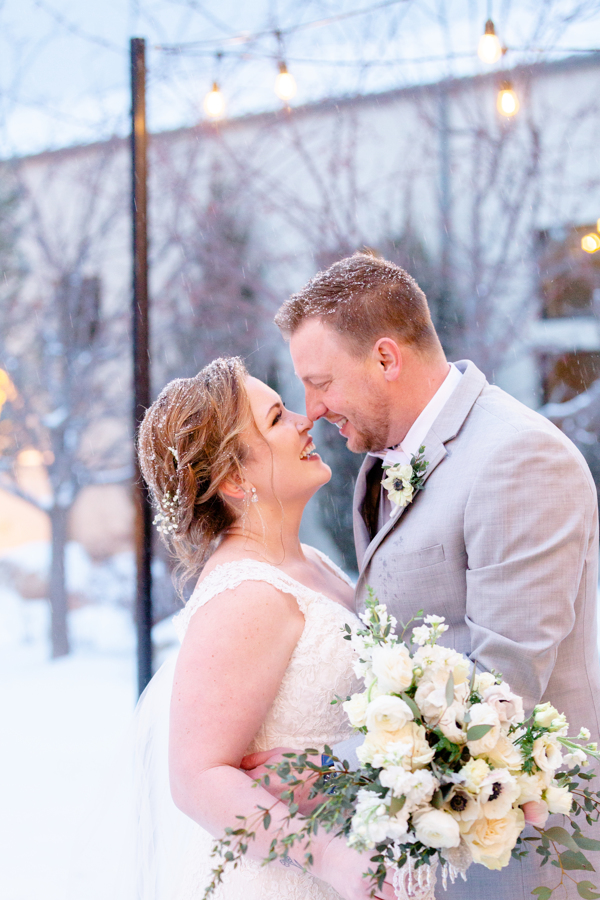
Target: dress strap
(230,575)
(334,567)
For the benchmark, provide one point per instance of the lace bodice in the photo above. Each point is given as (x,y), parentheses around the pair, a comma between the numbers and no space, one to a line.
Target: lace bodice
(319,669)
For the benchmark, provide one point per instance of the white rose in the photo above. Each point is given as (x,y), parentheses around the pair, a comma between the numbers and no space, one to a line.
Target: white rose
(546,753)
(436,828)
(532,786)
(387,713)
(509,706)
(473,774)
(499,790)
(543,714)
(416,787)
(392,666)
(505,754)
(483,714)
(559,799)
(491,840)
(356,709)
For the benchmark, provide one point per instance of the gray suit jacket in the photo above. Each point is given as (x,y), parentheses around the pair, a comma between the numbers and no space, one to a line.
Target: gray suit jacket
(503,542)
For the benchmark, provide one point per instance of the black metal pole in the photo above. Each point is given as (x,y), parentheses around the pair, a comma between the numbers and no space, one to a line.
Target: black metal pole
(141,359)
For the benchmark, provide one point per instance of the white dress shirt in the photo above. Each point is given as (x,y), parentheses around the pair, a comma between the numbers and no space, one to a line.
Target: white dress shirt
(415,437)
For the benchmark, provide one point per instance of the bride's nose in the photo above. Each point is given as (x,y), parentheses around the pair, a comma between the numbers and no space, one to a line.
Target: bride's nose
(303,423)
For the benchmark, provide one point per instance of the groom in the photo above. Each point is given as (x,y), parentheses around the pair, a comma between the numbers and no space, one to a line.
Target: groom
(502,541)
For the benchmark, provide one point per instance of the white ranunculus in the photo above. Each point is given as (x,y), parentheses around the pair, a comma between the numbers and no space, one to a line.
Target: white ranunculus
(546,753)
(543,714)
(436,828)
(484,714)
(416,787)
(536,813)
(491,840)
(499,790)
(356,709)
(392,666)
(559,799)
(532,786)
(505,754)
(473,774)
(509,706)
(387,713)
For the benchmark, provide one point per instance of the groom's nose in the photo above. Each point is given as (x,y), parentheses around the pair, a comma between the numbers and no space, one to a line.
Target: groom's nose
(315,408)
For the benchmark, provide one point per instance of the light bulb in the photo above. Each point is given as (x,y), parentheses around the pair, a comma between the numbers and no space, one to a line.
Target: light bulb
(285,84)
(508,102)
(590,242)
(214,102)
(489,49)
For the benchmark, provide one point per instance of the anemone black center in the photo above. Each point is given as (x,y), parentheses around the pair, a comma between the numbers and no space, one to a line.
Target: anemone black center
(496,790)
(458,802)
(397,484)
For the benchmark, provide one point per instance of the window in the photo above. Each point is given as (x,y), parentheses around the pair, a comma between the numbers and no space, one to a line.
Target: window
(569,374)
(569,277)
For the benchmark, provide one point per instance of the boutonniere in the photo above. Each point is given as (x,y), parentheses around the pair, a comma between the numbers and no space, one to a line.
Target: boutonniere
(403,480)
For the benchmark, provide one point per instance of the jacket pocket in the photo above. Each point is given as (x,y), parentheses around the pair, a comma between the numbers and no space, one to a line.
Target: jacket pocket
(419,559)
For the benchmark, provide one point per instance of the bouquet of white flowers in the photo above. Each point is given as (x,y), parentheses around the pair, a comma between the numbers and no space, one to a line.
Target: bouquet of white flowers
(451,771)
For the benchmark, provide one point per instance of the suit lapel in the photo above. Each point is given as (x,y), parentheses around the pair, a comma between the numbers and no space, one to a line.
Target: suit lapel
(445,428)
(434,454)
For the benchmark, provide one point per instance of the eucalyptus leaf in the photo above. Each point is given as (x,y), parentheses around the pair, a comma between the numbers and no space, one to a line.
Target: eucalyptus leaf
(561,836)
(411,703)
(586,843)
(571,861)
(476,732)
(543,893)
(450,690)
(587,890)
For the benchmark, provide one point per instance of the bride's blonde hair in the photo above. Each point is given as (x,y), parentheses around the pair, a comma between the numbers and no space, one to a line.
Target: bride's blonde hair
(189,443)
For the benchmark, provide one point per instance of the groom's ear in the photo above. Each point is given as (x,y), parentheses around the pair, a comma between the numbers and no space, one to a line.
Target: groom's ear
(388,355)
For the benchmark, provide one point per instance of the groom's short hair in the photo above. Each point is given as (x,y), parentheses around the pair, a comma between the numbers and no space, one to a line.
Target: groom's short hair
(363,298)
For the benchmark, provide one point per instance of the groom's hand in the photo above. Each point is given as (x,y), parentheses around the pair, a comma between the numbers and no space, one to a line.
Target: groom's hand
(255,764)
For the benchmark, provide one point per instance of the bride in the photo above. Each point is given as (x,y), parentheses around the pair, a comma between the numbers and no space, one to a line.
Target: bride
(262,653)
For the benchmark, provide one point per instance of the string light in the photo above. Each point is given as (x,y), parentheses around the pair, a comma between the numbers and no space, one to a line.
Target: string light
(508,102)
(285,84)
(490,48)
(590,242)
(214,102)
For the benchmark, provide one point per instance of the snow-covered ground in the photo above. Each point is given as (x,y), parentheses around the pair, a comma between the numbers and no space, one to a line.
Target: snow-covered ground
(62,723)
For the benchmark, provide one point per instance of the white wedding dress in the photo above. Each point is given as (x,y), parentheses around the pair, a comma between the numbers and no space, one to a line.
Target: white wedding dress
(172,852)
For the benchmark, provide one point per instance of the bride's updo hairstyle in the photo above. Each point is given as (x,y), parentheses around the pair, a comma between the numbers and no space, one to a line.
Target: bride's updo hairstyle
(190,442)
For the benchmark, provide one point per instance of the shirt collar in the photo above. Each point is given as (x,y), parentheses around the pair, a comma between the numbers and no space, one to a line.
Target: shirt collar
(415,437)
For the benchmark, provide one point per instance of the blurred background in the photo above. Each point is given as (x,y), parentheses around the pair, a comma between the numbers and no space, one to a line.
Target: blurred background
(458,138)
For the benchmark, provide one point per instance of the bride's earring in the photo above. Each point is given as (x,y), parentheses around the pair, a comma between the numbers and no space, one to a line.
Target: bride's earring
(254,498)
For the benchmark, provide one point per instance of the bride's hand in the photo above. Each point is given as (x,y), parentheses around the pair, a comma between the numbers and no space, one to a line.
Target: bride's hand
(342,867)
(255,765)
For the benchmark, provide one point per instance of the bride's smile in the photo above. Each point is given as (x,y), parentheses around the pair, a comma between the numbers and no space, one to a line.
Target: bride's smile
(280,447)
